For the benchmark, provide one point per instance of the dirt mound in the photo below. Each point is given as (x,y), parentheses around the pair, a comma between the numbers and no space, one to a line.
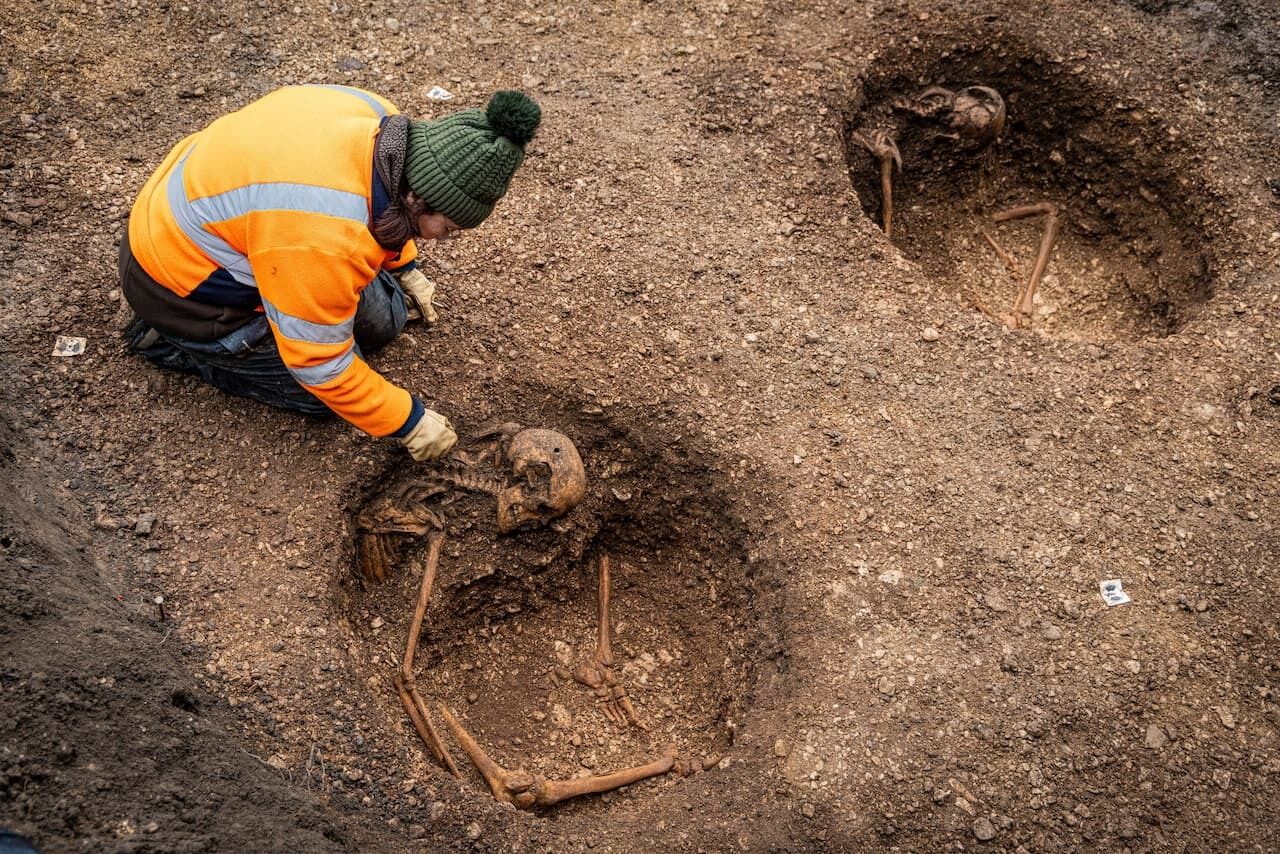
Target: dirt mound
(106,742)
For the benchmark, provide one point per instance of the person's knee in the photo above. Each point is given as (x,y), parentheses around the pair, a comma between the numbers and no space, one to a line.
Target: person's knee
(382,313)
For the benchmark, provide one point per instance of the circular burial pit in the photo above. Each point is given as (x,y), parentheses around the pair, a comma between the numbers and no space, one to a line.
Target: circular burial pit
(512,616)
(1132,257)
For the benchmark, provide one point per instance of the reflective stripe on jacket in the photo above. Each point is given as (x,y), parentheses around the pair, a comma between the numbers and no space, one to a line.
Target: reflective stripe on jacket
(271,205)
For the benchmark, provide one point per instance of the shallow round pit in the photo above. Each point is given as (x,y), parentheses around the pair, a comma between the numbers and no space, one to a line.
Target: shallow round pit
(1131,260)
(511,615)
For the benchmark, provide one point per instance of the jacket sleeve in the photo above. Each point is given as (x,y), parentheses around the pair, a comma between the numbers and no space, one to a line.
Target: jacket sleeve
(405,261)
(310,298)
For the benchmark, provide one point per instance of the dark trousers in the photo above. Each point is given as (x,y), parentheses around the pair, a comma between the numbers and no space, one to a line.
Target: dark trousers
(246,361)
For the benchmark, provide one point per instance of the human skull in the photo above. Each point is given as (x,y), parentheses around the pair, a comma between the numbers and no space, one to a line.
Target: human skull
(978,113)
(549,479)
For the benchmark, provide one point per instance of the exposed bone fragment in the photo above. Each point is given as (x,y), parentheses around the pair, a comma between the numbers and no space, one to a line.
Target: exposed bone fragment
(405,684)
(526,790)
(597,672)
(882,146)
(1024,304)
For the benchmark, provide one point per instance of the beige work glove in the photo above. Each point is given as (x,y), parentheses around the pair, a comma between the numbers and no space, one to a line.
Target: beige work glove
(420,291)
(431,438)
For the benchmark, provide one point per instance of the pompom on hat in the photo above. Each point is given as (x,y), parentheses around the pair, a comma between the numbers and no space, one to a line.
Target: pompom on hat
(460,165)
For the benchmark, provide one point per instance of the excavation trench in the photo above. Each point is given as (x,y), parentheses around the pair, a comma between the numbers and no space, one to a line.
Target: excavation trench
(510,615)
(1132,258)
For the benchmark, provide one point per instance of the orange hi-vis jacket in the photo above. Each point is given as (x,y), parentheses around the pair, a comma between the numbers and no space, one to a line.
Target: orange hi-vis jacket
(272,204)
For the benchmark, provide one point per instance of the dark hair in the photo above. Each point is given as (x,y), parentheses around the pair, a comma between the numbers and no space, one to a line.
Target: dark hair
(399,222)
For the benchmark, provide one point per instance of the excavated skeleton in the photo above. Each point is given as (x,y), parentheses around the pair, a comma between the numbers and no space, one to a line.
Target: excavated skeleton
(974,113)
(544,480)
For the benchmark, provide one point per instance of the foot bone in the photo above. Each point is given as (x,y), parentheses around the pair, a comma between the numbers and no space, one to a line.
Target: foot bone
(597,672)
(527,791)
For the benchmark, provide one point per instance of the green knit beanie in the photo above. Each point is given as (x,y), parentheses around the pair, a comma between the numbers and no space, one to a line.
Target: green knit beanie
(461,165)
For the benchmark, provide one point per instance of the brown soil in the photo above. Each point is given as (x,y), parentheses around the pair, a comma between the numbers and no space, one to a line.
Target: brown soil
(857,560)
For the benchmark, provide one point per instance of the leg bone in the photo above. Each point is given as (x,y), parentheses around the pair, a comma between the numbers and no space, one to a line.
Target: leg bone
(1052,227)
(527,791)
(597,672)
(406,687)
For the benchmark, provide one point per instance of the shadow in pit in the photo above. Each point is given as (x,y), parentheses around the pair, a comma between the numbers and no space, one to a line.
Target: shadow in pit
(1133,258)
(511,615)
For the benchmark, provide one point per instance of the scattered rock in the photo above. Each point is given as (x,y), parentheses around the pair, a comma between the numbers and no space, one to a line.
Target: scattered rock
(473,830)
(930,334)
(1156,737)
(781,748)
(350,63)
(1224,715)
(145,525)
(886,687)
(807,810)
(983,829)
(1052,632)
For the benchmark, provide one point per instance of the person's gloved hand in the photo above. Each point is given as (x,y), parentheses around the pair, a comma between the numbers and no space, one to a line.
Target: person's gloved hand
(431,438)
(420,290)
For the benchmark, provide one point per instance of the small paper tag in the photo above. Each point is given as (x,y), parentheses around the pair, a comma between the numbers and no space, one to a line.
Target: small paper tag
(1113,592)
(439,93)
(68,346)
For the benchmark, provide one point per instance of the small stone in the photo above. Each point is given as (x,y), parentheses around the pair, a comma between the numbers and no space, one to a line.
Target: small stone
(437,810)
(1222,777)
(392,25)
(1156,737)
(1052,632)
(807,810)
(1224,715)
(145,525)
(377,623)
(983,829)
(1133,666)
(353,775)
(870,372)
(473,830)
(564,653)
(277,646)
(152,827)
(886,686)
(930,334)
(471,698)
(349,63)
(417,831)
(781,748)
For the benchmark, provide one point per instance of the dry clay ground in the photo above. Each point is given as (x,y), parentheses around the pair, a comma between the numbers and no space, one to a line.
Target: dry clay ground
(860,525)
